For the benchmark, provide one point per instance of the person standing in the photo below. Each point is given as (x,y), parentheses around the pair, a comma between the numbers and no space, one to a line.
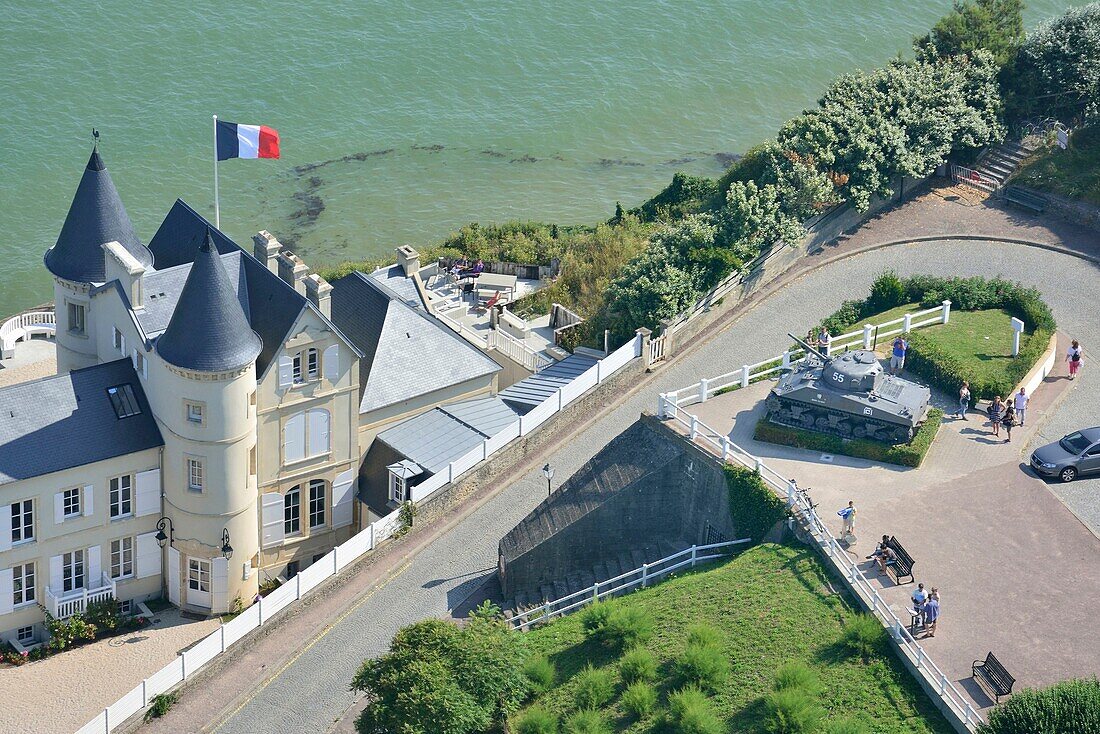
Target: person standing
(964,400)
(823,340)
(930,610)
(897,356)
(848,515)
(996,411)
(1019,402)
(1008,420)
(1074,356)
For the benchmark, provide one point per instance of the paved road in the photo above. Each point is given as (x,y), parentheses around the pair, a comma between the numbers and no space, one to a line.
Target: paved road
(311,692)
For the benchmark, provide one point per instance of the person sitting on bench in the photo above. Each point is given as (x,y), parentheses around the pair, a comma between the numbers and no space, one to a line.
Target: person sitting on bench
(886,558)
(472,272)
(458,266)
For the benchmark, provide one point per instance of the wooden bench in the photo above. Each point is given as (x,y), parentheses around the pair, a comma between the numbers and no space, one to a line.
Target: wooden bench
(902,562)
(994,675)
(1019,197)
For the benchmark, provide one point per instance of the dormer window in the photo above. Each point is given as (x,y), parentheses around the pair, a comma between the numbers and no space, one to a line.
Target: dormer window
(310,361)
(123,400)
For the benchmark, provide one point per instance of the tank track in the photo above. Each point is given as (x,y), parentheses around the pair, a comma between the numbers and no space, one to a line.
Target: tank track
(780,412)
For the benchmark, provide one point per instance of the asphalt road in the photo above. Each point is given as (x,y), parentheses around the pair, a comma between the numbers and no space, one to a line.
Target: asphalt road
(312,692)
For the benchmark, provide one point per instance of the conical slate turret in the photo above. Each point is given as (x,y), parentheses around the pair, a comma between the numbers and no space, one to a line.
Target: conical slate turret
(208,331)
(95,218)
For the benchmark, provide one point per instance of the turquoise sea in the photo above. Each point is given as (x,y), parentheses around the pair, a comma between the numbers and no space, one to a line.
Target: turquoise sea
(401,121)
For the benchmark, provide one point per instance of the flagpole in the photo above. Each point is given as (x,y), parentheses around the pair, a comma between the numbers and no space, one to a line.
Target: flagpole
(217,210)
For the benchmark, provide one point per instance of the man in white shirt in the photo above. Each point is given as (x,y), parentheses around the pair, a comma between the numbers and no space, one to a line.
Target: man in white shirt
(1019,402)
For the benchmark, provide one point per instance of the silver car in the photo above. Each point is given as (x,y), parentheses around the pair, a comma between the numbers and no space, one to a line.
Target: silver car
(1074,455)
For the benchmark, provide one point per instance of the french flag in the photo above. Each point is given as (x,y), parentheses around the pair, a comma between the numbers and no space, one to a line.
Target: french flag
(246,141)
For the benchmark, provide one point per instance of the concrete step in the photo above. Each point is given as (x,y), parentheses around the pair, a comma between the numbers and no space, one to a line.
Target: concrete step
(997,167)
(520,601)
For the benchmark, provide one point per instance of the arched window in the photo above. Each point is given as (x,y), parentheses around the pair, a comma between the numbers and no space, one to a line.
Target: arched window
(317,496)
(292,512)
(306,434)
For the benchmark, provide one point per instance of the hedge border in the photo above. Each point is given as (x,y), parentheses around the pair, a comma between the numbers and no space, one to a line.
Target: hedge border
(910,454)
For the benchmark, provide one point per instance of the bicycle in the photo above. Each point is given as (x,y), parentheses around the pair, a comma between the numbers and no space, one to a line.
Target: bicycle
(804,520)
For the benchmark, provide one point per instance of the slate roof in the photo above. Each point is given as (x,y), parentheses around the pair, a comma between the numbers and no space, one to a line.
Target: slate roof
(393,278)
(208,331)
(96,217)
(163,288)
(531,391)
(406,352)
(66,421)
(437,437)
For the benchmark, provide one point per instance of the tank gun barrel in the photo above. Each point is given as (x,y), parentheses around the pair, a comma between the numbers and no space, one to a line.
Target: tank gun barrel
(808,348)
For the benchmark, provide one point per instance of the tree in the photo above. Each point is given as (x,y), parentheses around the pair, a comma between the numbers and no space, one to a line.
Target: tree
(651,287)
(996,26)
(753,219)
(439,678)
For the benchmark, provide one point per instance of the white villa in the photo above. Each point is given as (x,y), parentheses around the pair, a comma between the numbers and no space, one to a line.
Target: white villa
(211,414)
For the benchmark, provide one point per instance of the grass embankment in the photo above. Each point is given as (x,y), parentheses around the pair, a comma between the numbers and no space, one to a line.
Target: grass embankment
(1073,172)
(772,606)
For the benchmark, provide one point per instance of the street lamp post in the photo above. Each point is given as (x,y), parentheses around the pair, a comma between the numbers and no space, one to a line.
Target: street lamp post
(227,550)
(548,472)
(161,537)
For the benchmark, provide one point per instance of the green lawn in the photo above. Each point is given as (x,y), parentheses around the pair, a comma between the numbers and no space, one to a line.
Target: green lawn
(1073,173)
(773,605)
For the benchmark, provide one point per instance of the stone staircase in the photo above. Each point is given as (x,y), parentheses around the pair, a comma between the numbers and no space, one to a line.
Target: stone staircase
(995,167)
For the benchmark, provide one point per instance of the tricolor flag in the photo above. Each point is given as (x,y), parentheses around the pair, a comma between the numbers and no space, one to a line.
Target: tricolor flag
(246,141)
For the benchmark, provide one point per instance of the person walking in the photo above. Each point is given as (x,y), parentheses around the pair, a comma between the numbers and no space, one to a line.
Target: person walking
(897,356)
(1007,421)
(964,400)
(848,515)
(1019,402)
(930,610)
(996,411)
(1074,356)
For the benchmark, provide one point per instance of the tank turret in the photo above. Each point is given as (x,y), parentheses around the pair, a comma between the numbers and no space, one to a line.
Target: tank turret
(849,395)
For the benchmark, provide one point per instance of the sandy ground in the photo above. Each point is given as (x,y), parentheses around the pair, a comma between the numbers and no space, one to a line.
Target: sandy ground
(64,692)
(33,359)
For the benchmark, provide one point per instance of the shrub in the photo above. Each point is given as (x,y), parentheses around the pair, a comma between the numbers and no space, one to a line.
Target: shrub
(886,292)
(797,675)
(691,712)
(1064,708)
(535,720)
(638,665)
(595,687)
(706,665)
(587,722)
(160,704)
(104,615)
(639,699)
(540,671)
(755,508)
(595,615)
(626,627)
(791,712)
(863,635)
(703,634)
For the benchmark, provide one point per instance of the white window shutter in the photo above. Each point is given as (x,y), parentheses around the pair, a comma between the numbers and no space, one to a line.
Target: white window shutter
(343,498)
(147,560)
(331,360)
(272,519)
(7,590)
(5,527)
(93,568)
(58,508)
(173,576)
(122,343)
(55,574)
(286,372)
(294,438)
(318,432)
(147,501)
(86,499)
(219,585)
(133,358)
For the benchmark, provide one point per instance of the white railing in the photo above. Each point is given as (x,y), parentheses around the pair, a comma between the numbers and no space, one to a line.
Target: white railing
(23,325)
(517,351)
(970,177)
(728,452)
(340,557)
(864,338)
(62,606)
(469,334)
(640,576)
(657,348)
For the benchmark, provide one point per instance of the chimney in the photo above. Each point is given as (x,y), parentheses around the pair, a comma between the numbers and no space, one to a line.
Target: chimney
(409,260)
(266,249)
(293,270)
(125,268)
(319,292)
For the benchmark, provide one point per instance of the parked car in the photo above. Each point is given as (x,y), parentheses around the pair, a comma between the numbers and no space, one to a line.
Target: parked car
(1075,454)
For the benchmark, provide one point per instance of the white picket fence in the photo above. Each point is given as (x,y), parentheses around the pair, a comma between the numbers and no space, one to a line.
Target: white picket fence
(343,555)
(728,452)
(641,577)
(864,338)
(517,351)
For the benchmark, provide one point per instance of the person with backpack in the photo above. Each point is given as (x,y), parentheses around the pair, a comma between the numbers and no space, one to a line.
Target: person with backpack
(1074,356)
(1008,420)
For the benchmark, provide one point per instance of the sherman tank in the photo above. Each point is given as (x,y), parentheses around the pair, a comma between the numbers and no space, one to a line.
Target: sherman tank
(848,395)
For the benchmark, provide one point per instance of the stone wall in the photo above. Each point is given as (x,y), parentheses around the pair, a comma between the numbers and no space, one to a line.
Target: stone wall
(1078,212)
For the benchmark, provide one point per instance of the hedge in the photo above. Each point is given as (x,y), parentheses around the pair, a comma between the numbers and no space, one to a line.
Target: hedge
(943,370)
(910,454)
(1068,707)
(754,507)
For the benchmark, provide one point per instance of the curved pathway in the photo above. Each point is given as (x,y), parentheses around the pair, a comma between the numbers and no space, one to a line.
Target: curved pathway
(308,692)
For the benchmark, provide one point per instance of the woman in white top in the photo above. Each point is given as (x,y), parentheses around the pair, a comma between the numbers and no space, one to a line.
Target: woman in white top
(1074,356)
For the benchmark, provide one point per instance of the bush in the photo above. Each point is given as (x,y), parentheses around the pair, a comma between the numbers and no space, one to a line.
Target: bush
(863,635)
(797,675)
(690,712)
(540,671)
(1064,708)
(595,687)
(587,722)
(594,617)
(626,627)
(638,665)
(704,634)
(160,705)
(706,665)
(535,720)
(792,711)
(104,615)
(887,292)
(942,369)
(639,699)
(753,505)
